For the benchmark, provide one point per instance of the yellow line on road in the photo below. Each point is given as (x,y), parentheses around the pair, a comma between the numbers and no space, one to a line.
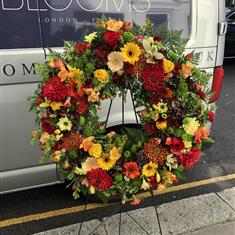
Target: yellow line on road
(71,210)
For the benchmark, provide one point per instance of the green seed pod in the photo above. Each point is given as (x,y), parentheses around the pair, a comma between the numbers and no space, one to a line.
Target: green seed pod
(170,130)
(139,144)
(127,154)
(133,148)
(128,36)
(82,121)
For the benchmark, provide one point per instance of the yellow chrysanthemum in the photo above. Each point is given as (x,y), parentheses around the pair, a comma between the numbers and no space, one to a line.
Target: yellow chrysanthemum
(149,169)
(161,107)
(131,53)
(96,150)
(106,162)
(190,125)
(89,38)
(162,125)
(101,75)
(188,144)
(168,66)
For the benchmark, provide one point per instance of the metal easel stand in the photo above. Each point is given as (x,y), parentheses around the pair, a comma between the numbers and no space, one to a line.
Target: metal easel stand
(121,208)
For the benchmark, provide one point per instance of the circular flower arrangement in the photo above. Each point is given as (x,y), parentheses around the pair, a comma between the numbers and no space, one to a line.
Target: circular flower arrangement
(170,96)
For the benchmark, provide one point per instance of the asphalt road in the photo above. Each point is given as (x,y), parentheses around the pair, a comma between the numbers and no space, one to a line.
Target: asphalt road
(218,160)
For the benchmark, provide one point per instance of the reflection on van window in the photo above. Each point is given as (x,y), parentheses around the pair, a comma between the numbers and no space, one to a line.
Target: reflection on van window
(19,27)
(25,22)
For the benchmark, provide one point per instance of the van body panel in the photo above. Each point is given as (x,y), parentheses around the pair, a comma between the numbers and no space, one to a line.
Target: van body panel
(27,177)
(20,69)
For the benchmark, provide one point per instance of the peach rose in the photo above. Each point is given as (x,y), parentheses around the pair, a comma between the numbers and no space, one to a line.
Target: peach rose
(187,68)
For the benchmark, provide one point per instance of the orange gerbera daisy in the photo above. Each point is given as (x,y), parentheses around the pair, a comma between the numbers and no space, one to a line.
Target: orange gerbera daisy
(131,170)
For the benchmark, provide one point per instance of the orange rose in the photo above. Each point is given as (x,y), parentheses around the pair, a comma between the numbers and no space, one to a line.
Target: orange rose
(87,143)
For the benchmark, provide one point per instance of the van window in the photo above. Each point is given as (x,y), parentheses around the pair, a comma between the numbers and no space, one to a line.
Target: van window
(177,15)
(19,27)
(69,20)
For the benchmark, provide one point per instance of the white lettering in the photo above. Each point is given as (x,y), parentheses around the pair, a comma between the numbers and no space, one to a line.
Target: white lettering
(34,9)
(56,9)
(144,10)
(85,9)
(12,9)
(114,1)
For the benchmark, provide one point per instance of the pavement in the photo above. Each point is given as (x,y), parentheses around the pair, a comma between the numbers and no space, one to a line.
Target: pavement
(212,213)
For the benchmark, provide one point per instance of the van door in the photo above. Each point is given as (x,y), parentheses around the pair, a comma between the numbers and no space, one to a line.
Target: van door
(20,48)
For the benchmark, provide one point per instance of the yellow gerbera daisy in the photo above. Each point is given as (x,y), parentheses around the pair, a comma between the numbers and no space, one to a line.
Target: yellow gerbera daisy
(149,169)
(106,162)
(131,53)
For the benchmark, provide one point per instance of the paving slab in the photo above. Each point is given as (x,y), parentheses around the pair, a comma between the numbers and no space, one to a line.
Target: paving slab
(229,196)
(193,213)
(218,229)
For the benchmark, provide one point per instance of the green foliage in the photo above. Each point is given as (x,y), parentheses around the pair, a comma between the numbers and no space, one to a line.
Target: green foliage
(172,39)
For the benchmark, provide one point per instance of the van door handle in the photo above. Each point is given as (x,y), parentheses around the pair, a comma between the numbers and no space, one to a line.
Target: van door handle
(222,28)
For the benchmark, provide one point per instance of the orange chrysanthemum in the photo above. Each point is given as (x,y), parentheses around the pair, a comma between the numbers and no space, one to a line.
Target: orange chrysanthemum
(155,152)
(131,170)
(72,142)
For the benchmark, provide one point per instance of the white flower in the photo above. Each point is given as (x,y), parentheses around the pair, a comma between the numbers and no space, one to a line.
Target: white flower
(64,124)
(152,53)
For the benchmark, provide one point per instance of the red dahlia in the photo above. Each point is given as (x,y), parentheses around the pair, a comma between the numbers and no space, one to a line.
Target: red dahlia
(81,47)
(99,179)
(46,126)
(82,105)
(103,51)
(189,159)
(54,89)
(112,38)
(153,76)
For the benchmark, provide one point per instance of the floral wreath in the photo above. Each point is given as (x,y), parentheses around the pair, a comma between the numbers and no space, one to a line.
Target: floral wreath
(169,92)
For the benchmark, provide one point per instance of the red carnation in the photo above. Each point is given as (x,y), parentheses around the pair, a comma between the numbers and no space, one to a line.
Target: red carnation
(81,47)
(189,159)
(46,126)
(211,116)
(176,145)
(54,89)
(82,105)
(153,76)
(38,101)
(112,38)
(99,179)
